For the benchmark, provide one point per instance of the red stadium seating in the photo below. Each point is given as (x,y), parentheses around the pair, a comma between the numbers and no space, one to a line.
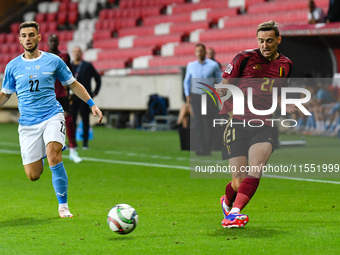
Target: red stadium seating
(3,37)
(171,61)
(102,34)
(8,57)
(2,68)
(154,71)
(228,33)
(40,17)
(43,46)
(43,27)
(62,18)
(125,53)
(106,24)
(220,46)
(103,14)
(5,48)
(15,27)
(145,3)
(12,38)
(283,18)
(131,12)
(126,22)
(226,58)
(73,17)
(154,20)
(65,36)
(73,7)
(52,27)
(51,17)
(188,7)
(185,59)
(103,65)
(63,7)
(140,31)
(276,6)
(219,13)
(159,40)
(250,2)
(189,26)
(105,43)
(150,11)
(63,46)
(14,48)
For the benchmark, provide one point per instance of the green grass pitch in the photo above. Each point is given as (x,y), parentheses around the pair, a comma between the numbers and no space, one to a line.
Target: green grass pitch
(177,214)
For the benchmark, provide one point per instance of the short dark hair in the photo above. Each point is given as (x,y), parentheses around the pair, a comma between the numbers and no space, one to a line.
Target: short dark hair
(200,45)
(29,24)
(268,26)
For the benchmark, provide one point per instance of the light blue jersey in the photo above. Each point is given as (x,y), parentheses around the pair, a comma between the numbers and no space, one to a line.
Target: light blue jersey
(33,81)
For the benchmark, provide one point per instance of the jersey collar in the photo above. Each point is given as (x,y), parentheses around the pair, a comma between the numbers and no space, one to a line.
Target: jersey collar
(33,59)
(260,54)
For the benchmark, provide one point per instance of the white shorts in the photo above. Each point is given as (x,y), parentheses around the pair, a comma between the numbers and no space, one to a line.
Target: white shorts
(34,139)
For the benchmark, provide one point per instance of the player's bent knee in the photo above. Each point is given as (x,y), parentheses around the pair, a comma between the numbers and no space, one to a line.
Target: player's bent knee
(34,170)
(33,177)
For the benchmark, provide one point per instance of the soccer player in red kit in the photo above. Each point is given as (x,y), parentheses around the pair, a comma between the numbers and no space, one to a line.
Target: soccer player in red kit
(249,147)
(63,98)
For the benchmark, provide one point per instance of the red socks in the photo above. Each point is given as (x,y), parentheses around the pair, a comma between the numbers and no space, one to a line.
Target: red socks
(71,131)
(230,195)
(245,192)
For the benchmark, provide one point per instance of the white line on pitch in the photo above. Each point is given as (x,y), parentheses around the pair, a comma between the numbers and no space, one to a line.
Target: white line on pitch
(176,167)
(163,157)
(135,163)
(9,144)
(146,155)
(299,179)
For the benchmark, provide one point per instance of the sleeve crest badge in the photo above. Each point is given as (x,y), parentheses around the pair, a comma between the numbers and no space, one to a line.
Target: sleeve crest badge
(229,69)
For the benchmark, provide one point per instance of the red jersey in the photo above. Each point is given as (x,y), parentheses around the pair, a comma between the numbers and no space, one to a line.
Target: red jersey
(253,70)
(58,87)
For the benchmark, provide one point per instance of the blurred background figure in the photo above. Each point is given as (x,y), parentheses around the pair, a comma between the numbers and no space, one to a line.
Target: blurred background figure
(63,98)
(211,55)
(333,14)
(315,14)
(83,72)
(319,105)
(203,67)
(184,116)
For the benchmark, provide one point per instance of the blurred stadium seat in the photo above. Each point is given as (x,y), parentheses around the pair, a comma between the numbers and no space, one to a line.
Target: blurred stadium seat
(53,7)
(15,27)
(28,16)
(43,7)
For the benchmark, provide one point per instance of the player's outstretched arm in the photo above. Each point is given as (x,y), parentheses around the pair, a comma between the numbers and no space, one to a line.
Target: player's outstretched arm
(81,92)
(4,98)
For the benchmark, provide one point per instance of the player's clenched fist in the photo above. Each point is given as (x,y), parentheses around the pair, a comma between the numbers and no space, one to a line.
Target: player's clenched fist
(222,91)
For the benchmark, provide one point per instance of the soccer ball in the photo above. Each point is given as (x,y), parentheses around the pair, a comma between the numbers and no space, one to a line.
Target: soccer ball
(122,219)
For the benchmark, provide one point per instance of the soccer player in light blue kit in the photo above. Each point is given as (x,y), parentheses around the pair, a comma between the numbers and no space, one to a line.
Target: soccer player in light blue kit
(41,124)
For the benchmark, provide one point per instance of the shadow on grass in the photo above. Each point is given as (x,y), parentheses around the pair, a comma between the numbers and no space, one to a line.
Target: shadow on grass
(19,222)
(248,232)
(121,238)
